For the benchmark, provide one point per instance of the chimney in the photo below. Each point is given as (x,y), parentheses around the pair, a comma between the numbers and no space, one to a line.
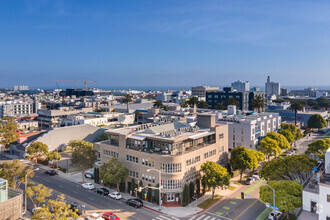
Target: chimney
(206,120)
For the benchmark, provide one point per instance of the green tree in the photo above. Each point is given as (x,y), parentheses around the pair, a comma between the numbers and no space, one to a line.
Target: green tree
(288,194)
(202,104)
(114,172)
(288,135)
(37,150)
(60,209)
(53,156)
(296,106)
(241,159)
(318,147)
(133,186)
(157,194)
(281,140)
(184,104)
(38,194)
(198,187)
(193,101)
(165,107)
(83,157)
(127,99)
(269,147)
(15,172)
(191,190)
(42,213)
(103,137)
(316,121)
(231,101)
(219,106)
(214,175)
(258,103)
(296,167)
(185,199)
(96,175)
(8,131)
(158,104)
(293,129)
(257,157)
(323,102)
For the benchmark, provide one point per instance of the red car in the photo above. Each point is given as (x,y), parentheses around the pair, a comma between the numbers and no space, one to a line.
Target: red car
(110,216)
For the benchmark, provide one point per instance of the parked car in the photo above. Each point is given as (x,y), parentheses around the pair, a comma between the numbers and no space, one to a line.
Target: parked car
(89,174)
(134,202)
(79,209)
(289,153)
(88,186)
(274,215)
(94,216)
(115,195)
(110,216)
(34,209)
(51,172)
(102,191)
(256,176)
(249,181)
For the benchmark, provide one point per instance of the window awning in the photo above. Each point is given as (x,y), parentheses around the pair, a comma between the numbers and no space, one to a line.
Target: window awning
(200,135)
(137,137)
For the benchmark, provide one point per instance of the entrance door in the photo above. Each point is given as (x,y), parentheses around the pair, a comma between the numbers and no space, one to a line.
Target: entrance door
(313,207)
(170,197)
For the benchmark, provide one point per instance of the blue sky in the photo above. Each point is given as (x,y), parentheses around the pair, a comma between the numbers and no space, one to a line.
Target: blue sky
(164,43)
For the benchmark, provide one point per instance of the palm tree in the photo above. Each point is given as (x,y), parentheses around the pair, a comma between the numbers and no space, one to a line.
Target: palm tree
(258,103)
(158,104)
(127,99)
(296,106)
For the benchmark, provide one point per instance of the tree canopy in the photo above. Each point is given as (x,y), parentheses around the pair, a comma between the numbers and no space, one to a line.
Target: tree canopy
(37,150)
(292,129)
(38,194)
(258,103)
(318,147)
(8,131)
(241,159)
(269,147)
(316,121)
(288,194)
(113,172)
(281,140)
(296,105)
(295,167)
(14,172)
(83,156)
(53,156)
(214,175)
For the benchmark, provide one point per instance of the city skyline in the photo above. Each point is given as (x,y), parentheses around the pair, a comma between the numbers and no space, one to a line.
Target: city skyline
(168,43)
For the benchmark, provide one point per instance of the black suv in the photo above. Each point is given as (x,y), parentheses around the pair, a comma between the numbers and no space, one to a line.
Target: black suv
(137,203)
(51,172)
(103,191)
(79,209)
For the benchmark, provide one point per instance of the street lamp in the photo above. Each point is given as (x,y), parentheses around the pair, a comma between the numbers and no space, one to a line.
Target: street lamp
(159,180)
(273,194)
(25,202)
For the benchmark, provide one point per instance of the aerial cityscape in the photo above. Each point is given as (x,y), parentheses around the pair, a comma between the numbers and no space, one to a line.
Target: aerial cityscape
(165,110)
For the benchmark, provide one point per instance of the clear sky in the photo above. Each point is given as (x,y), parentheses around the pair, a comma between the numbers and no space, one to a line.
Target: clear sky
(164,43)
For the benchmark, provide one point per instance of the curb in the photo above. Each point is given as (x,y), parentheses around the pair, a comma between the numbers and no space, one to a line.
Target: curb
(153,209)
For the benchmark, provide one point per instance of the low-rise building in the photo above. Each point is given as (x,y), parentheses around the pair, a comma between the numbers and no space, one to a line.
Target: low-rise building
(175,149)
(18,109)
(302,116)
(24,124)
(200,91)
(11,202)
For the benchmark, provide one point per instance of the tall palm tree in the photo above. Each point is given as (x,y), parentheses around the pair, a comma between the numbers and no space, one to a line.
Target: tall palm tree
(127,99)
(296,106)
(158,104)
(258,103)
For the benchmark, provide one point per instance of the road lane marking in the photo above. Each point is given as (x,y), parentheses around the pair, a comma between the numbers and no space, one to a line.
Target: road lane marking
(207,217)
(200,217)
(226,207)
(245,210)
(232,202)
(212,218)
(174,218)
(218,213)
(193,217)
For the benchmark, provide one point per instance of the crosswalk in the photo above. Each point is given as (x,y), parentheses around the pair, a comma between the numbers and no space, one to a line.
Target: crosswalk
(205,216)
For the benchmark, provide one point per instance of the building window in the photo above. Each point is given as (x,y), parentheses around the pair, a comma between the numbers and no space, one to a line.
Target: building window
(328,197)
(221,148)
(220,136)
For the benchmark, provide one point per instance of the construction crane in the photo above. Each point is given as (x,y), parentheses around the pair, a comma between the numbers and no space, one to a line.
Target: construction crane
(84,81)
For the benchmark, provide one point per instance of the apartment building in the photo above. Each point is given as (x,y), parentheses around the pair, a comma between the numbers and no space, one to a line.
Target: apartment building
(316,193)
(241,86)
(272,88)
(200,91)
(18,109)
(247,131)
(175,149)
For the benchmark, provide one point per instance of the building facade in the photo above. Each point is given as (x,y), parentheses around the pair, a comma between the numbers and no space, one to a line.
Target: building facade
(241,86)
(272,88)
(200,91)
(176,149)
(18,109)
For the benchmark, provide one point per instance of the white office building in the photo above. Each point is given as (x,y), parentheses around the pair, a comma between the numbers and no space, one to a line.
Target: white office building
(246,131)
(316,194)
(272,88)
(200,91)
(241,86)
(18,88)
(18,109)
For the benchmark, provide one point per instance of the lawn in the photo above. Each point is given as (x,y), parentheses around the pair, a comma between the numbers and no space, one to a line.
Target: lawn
(231,187)
(264,214)
(207,203)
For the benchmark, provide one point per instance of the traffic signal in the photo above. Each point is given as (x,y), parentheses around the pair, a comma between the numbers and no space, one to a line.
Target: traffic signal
(145,195)
(242,195)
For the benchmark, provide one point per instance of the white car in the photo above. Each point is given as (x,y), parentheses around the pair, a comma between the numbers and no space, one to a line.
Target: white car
(88,186)
(256,176)
(94,216)
(289,153)
(115,195)
(275,215)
